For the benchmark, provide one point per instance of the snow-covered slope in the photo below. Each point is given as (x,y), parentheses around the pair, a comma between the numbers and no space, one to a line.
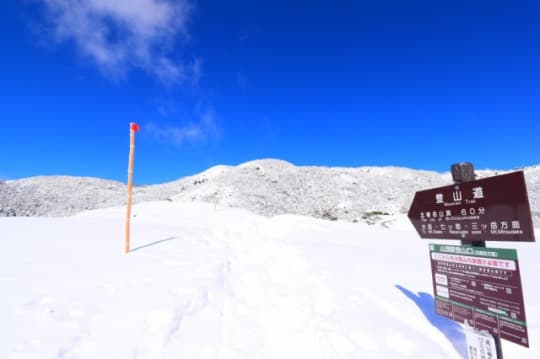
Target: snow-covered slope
(266,187)
(227,284)
(58,195)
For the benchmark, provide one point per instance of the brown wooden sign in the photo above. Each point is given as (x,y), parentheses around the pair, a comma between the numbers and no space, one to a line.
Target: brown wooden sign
(490,209)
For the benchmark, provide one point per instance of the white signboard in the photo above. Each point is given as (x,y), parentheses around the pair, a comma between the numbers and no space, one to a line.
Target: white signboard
(480,344)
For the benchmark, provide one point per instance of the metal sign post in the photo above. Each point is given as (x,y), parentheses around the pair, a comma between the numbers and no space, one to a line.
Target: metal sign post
(461,173)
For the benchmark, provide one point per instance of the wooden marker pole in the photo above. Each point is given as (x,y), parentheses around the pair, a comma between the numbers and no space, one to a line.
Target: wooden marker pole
(133,127)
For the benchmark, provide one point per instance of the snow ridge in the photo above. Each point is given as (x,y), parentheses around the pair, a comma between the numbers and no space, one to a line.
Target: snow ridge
(266,187)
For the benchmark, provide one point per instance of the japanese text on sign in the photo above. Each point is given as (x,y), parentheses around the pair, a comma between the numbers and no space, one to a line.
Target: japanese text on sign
(494,208)
(481,287)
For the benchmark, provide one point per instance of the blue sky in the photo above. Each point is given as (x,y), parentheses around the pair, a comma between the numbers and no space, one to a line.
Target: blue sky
(421,84)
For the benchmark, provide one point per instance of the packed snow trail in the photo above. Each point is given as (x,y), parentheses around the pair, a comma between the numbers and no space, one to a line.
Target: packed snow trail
(205,283)
(271,288)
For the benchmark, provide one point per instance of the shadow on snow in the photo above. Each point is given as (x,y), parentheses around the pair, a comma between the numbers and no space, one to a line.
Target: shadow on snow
(451,330)
(152,243)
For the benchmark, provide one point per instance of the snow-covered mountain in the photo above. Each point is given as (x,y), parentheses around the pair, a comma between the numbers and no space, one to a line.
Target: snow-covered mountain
(266,187)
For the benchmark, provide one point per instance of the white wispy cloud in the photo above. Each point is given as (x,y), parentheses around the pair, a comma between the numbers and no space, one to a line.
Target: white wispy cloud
(202,129)
(121,35)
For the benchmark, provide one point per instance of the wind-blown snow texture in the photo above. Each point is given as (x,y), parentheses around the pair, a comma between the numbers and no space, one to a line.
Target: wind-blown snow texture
(265,187)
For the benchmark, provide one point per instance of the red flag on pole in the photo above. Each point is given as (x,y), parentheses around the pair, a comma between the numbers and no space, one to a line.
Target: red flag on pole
(135,127)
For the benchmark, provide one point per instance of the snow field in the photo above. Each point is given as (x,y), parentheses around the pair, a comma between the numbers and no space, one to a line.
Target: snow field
(223,283)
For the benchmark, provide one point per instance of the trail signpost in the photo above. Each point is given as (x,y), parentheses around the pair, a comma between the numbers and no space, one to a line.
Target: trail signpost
(472,284)
(494,208)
